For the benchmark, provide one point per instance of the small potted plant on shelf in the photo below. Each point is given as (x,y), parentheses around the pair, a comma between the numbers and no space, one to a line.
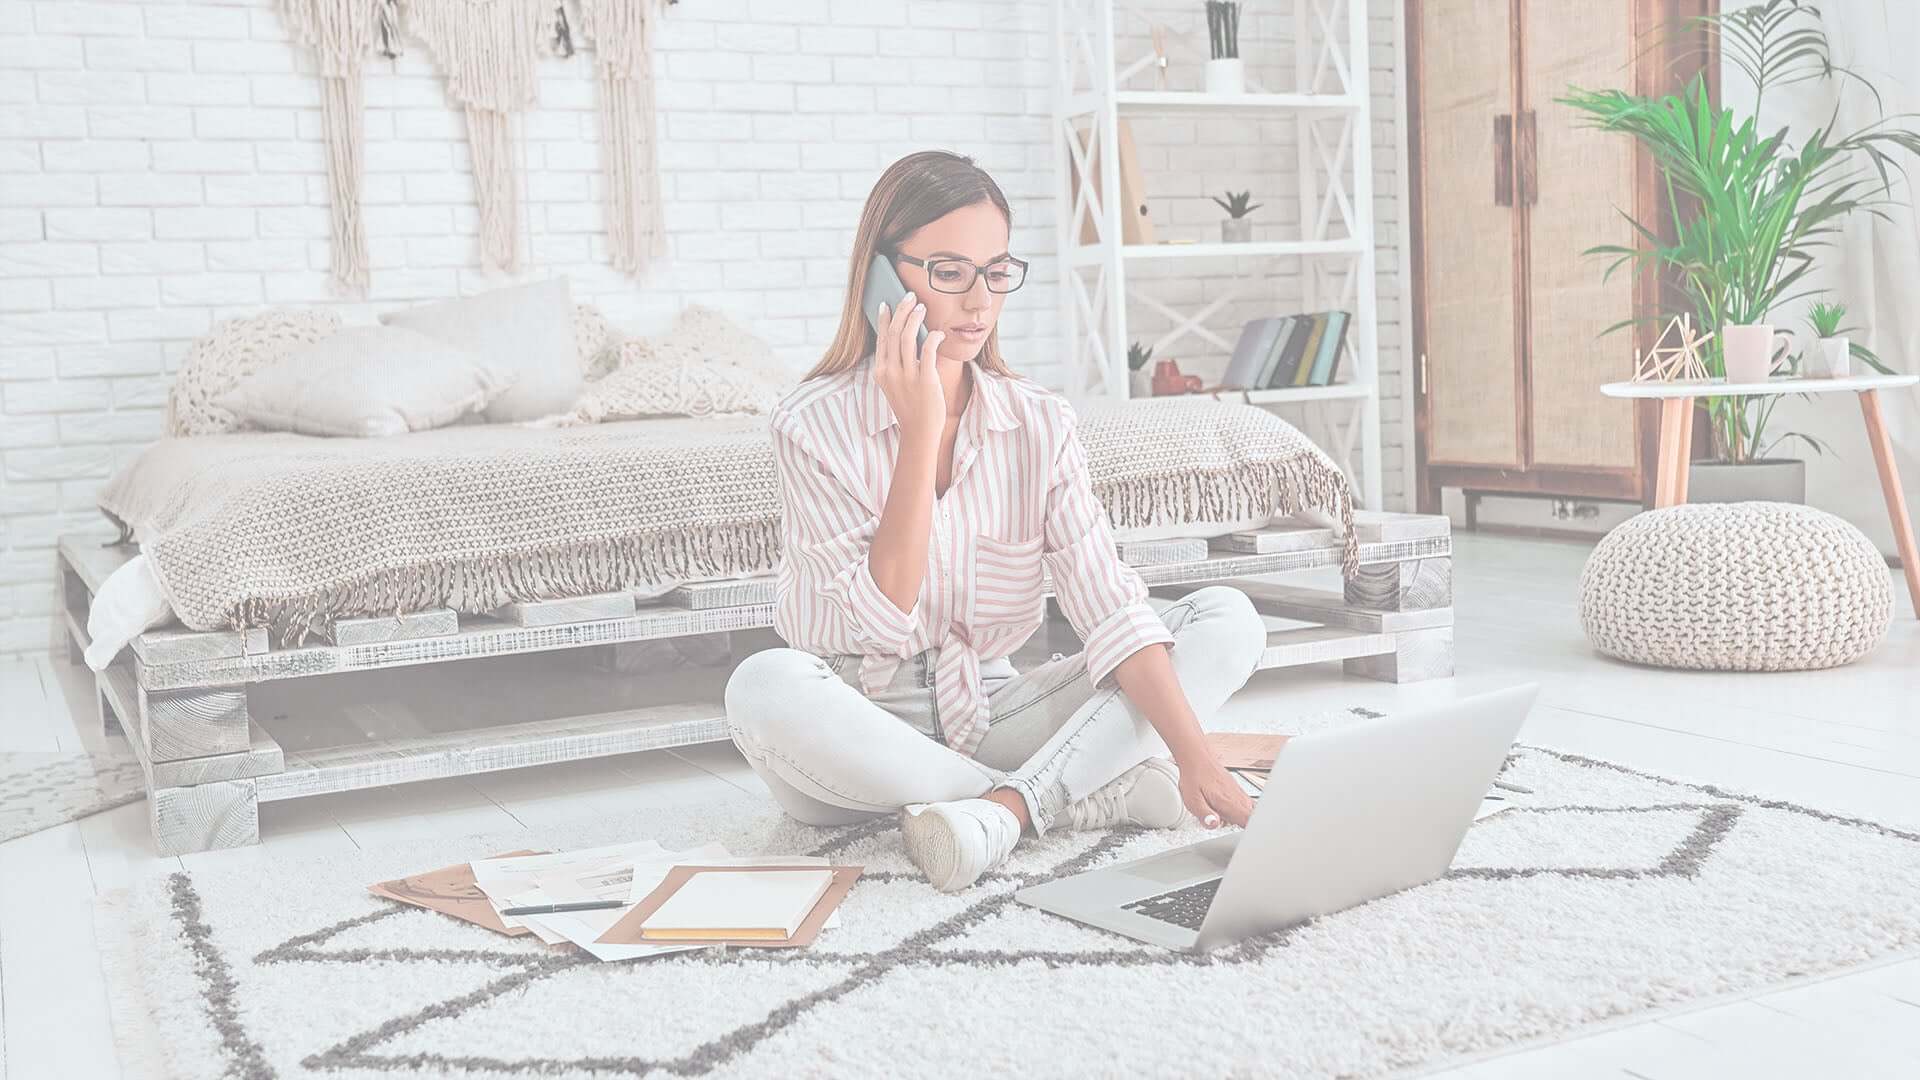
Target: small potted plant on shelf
(1140,381)
(1238,227)
(1224,72)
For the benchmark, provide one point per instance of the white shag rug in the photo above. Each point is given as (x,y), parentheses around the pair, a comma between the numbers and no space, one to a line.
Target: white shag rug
(1605,892)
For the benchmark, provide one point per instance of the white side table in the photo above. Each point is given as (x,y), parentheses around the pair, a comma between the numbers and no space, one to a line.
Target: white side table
(1676,439)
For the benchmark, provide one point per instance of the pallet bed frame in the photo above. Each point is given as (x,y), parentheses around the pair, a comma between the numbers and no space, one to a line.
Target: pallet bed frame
(180,696)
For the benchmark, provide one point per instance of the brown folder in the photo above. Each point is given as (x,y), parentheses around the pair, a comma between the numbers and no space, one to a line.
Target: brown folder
(1246,749)
(627,930)
(451,890)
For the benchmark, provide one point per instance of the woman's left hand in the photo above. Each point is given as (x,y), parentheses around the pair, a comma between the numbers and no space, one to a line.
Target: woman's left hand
(1210,792)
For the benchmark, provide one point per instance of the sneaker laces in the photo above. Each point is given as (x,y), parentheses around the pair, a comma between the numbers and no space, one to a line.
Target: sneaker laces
(1107,806)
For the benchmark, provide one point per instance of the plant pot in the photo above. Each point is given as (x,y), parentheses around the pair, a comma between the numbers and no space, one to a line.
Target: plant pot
(1772,480)
(1139,383)
(1226,76)
(1829,359)
(1236,230)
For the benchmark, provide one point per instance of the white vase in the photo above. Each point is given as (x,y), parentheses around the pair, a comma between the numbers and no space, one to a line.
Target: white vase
(1226,76)
(1751,351)
(1140,383)
(1831,358)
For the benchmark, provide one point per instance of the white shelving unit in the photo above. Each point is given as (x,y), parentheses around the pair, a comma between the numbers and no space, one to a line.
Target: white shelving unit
(1330,106)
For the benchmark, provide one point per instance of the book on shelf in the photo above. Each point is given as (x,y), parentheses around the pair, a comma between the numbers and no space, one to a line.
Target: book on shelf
(1315,330)
(1289,362)
(1283,329)
(1326,364)
(1310,353)
(1250,353)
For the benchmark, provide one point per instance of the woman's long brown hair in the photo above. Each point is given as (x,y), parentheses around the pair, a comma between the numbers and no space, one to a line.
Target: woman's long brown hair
(920,188)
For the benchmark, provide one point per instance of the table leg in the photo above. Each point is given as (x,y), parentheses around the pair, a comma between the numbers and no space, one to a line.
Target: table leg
(1890,487)
(1683,466)
(1665,475)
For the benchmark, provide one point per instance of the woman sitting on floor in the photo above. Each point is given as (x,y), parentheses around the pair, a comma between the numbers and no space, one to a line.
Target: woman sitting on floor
(922,493)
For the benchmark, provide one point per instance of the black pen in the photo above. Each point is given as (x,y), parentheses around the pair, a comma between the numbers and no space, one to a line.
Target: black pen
(554,909)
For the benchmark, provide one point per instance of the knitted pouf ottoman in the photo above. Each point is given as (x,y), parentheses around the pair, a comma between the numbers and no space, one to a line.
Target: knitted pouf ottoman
(1751,586)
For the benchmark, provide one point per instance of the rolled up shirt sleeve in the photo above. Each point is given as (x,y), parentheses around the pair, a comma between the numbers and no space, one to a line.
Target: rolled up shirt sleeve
(826,532)
(1102,597)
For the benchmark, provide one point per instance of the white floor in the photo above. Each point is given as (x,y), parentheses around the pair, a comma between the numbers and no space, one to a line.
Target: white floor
(1846,740)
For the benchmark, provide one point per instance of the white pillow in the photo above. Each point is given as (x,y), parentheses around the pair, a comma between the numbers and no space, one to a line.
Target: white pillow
(525,330)
(130,602)
(367,381)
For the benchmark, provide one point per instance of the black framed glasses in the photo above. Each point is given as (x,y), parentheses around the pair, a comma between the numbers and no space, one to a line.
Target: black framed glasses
(952,275)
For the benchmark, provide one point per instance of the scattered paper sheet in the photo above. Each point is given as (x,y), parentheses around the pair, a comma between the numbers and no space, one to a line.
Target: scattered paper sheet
(629,878)
(504,879)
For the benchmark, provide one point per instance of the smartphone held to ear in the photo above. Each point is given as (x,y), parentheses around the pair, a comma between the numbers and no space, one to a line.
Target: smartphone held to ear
(885,287)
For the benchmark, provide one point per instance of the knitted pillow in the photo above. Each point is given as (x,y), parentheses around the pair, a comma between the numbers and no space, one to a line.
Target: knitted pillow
(706,365)
(596,340)
(233,349)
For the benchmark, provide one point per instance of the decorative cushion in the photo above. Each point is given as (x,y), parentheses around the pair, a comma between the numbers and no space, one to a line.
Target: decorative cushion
(524,330)
(596,340)
(233,349)
(707,365)
(1751,586)
(367,381)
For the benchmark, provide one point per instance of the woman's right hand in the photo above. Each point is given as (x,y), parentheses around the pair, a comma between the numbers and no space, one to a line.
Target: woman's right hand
(911,383)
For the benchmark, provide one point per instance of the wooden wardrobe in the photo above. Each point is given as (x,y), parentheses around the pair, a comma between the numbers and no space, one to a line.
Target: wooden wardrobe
(1508,189)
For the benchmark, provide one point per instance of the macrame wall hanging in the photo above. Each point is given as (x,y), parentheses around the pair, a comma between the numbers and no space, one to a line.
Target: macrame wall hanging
(488,49)
(341,33)
(622,36)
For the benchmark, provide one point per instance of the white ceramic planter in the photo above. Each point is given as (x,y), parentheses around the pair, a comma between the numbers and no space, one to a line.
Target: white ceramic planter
(1830,358)
(1226,76)
(1236,230)
(1140,383)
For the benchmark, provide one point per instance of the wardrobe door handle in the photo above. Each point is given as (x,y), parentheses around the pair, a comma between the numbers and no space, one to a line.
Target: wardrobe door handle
(1529,172)
(1503,160)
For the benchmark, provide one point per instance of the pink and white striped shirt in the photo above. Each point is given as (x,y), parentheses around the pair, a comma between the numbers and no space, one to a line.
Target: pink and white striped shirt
(1019,499)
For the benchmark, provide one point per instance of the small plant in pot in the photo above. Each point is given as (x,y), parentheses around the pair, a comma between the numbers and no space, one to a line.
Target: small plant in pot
(1833,348)
(1224,72)
(1238,228)
(1140,379)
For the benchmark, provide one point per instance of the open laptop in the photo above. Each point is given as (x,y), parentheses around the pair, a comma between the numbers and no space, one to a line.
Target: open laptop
(1346,816)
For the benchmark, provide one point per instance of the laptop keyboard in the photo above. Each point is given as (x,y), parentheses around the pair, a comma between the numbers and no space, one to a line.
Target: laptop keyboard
(1186,906)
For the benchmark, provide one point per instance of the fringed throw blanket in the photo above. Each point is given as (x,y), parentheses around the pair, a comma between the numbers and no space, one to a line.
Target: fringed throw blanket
(292,531)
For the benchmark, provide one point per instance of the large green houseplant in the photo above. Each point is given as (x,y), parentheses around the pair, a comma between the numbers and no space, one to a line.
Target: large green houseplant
(1750,211)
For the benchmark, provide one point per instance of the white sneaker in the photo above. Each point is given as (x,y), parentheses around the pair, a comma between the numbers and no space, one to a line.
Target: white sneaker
(1147,795)
(954,842)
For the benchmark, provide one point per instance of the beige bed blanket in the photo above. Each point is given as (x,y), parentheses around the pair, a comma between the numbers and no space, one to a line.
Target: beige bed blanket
(292,531)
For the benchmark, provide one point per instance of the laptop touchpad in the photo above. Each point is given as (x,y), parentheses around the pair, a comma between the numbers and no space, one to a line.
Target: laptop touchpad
(1177,866)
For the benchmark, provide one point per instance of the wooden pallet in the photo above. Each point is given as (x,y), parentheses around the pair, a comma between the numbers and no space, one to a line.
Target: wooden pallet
(182,697)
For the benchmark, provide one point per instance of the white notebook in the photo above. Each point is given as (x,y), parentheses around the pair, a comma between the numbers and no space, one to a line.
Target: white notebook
(739,903)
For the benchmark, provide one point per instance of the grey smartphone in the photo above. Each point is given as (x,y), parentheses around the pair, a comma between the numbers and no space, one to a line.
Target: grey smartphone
(885,287)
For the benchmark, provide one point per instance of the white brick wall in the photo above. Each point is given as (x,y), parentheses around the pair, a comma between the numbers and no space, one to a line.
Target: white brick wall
(161,168)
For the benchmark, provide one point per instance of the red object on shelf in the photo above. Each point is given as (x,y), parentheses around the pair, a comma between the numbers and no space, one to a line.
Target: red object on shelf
(1167,380)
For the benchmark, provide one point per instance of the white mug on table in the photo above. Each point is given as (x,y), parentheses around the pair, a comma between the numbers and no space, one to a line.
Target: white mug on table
(1750,351)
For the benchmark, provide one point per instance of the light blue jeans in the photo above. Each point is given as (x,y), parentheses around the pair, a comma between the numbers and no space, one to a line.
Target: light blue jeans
(832,755)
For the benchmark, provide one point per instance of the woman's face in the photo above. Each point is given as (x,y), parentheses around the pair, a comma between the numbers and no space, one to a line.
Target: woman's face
(977,233)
